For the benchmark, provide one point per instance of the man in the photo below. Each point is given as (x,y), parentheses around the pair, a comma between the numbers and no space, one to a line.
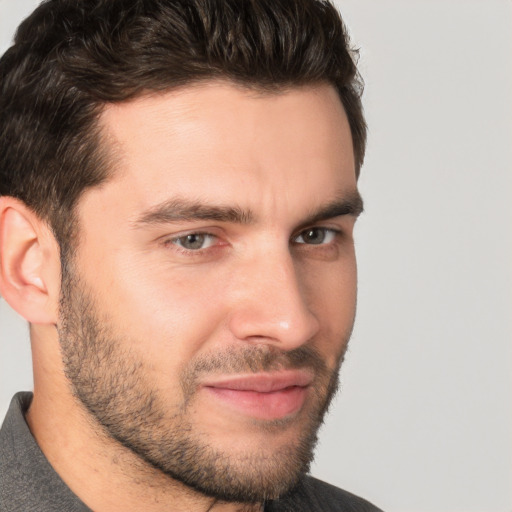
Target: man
(178,195)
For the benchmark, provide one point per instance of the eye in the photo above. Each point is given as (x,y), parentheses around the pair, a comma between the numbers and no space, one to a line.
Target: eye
(316,236)
(194,241)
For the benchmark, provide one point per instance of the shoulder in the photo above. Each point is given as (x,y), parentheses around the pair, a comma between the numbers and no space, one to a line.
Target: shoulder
(314,495)
(27,480)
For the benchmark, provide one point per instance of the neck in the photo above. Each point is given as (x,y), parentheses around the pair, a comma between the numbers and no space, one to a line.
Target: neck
(105,475)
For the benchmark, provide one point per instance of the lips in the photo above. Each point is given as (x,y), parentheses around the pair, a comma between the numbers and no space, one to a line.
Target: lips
(264,396)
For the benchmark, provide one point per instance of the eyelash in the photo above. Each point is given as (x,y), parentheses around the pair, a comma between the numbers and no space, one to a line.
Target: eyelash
(174,241)
(326,232)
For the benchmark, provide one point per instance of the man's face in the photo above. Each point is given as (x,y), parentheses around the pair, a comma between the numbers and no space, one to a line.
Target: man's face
(212,294)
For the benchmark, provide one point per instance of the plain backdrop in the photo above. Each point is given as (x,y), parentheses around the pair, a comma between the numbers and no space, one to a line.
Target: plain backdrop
(424,419)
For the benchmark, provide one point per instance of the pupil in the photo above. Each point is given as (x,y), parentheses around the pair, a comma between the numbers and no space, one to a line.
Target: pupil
(315,236)
(194,241)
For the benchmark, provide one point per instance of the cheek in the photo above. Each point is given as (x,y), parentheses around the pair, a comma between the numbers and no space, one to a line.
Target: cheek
(161,315)
(332,294)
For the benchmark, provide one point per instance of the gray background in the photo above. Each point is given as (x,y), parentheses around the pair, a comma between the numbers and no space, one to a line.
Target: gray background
(424,419)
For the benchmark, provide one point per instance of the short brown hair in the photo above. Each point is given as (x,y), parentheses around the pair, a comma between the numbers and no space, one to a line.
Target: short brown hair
(71,57)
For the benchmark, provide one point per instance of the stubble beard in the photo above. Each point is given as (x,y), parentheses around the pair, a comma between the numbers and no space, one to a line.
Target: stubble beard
(111,383)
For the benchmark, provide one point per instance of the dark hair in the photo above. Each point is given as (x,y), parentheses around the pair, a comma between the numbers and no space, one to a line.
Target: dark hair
(70,57)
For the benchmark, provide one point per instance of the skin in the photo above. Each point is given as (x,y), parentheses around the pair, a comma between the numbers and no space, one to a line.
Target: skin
(252,286)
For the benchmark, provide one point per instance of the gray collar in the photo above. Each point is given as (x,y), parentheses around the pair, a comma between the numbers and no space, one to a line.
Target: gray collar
(27,480)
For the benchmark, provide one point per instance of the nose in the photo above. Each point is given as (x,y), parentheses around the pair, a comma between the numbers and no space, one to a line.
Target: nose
(271,304)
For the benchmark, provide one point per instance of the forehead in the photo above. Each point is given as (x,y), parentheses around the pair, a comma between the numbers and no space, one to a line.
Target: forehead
(216,140)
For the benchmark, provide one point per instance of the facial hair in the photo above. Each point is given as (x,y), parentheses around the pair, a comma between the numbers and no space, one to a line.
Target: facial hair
(111,383)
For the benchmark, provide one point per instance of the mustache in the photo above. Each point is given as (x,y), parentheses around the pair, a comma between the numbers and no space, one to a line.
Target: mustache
(255,359)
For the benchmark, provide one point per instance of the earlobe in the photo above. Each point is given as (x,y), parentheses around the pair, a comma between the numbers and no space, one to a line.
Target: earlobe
(29,263)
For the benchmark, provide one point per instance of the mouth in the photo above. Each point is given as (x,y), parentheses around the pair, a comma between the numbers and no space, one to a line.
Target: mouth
(265,396)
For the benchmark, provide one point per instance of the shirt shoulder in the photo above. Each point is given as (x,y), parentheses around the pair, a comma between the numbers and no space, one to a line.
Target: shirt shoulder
(27,480)
(314,495)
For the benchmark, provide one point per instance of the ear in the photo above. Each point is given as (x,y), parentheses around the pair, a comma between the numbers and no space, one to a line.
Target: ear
(29,263)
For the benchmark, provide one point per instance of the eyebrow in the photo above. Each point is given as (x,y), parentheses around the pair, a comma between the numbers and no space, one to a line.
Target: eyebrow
(185,210)
(178,210)
(350,204)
